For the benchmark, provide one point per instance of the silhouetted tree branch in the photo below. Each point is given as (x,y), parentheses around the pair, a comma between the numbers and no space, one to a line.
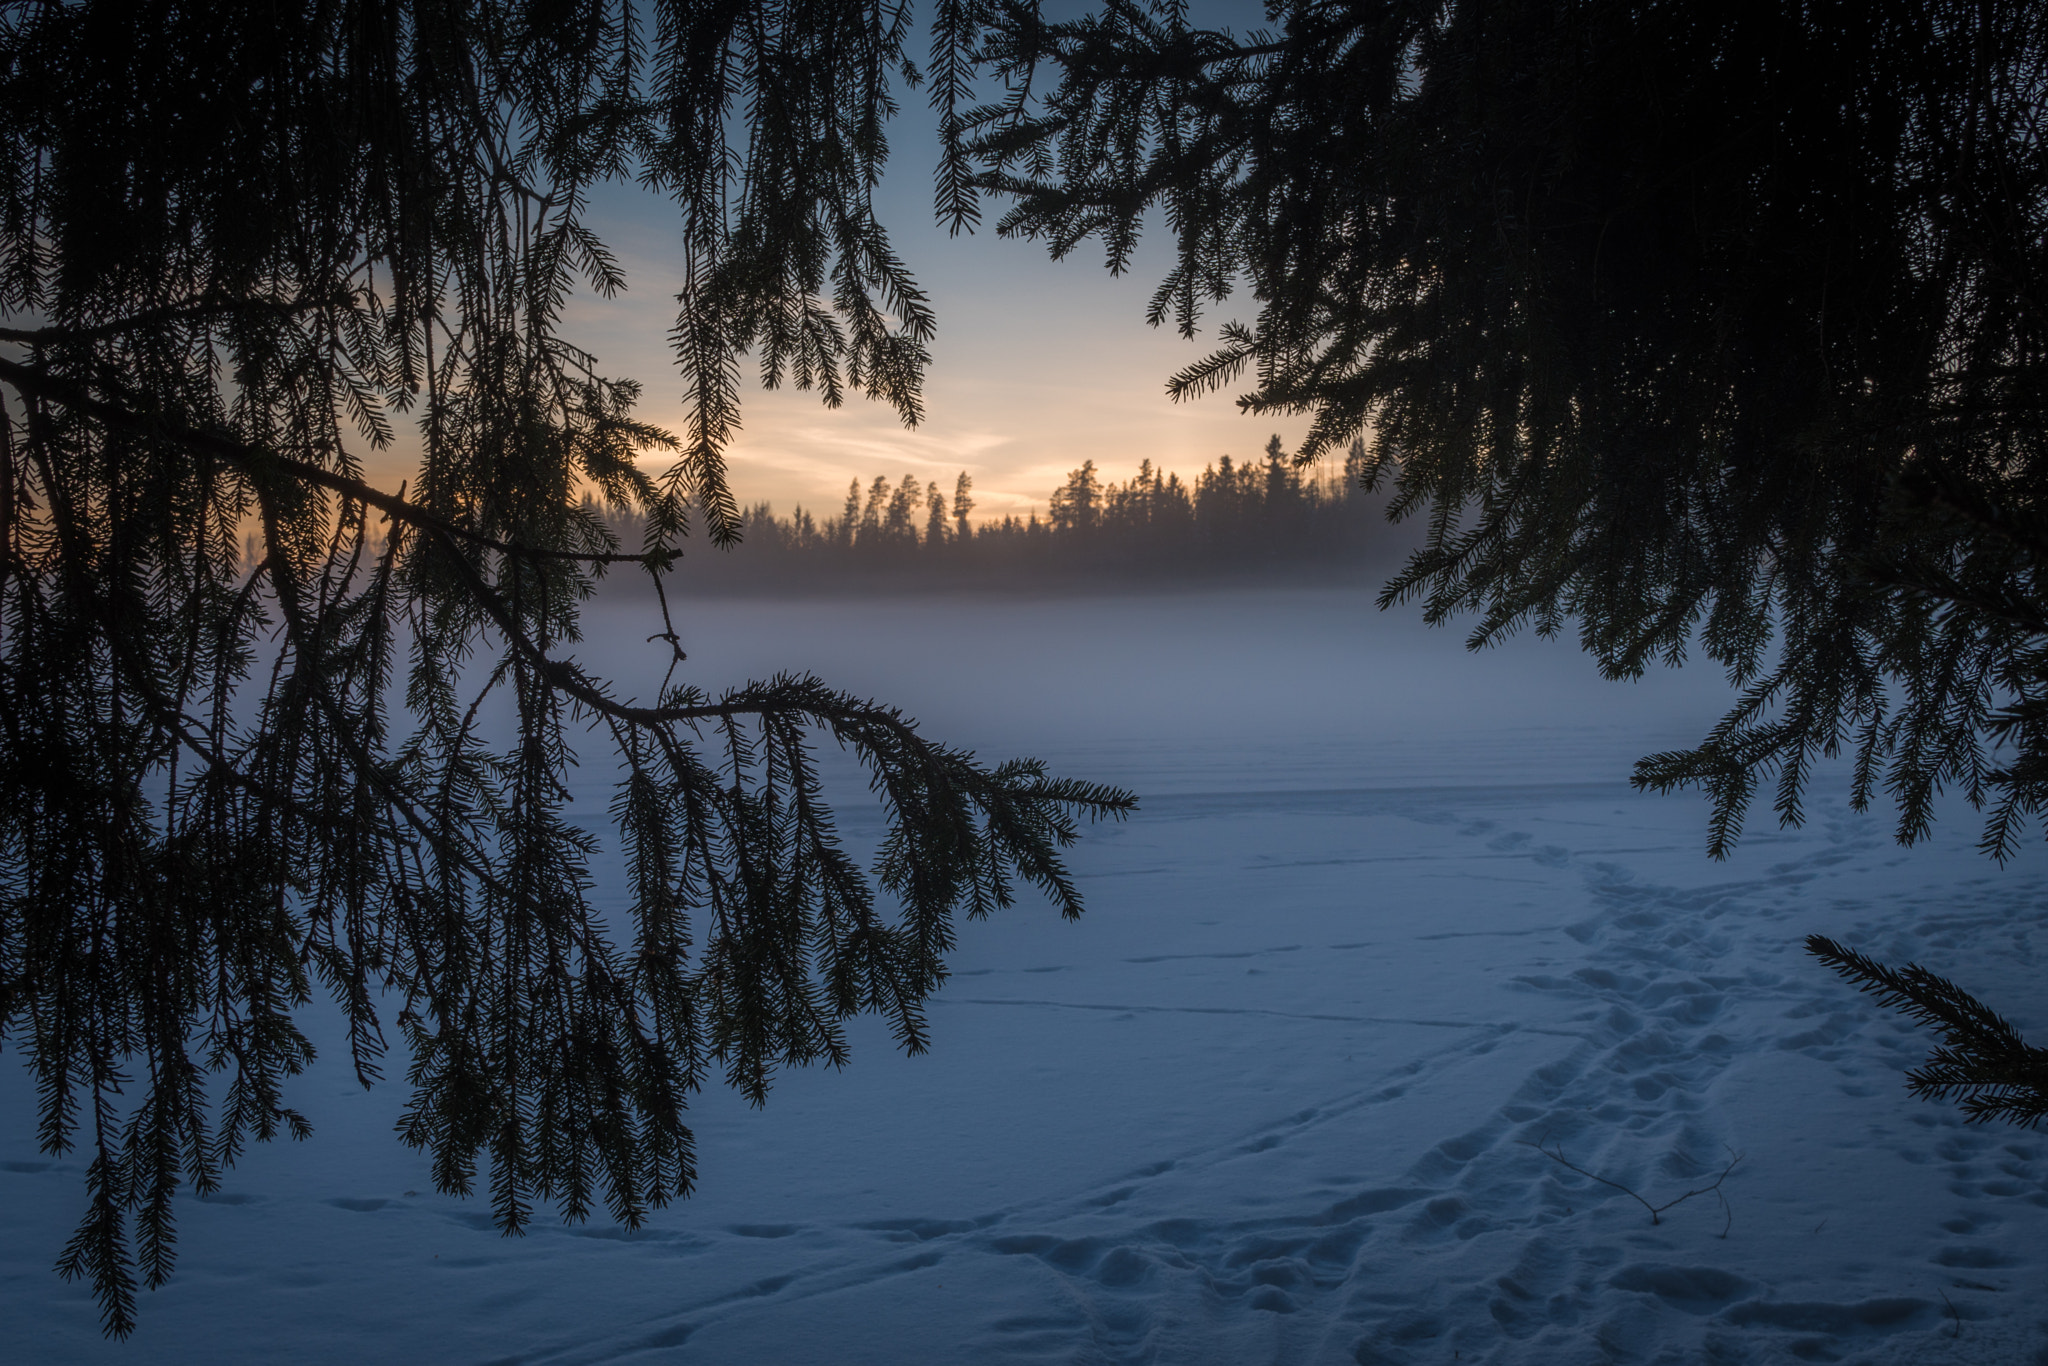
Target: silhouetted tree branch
(1691,328)
(230,784)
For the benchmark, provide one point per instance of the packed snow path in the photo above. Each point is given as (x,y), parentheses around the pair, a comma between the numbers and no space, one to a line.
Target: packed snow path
(1282,1097)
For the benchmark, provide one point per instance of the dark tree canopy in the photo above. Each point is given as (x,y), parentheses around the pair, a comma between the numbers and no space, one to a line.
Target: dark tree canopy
(240,247)
(1684,325)
(1689,324)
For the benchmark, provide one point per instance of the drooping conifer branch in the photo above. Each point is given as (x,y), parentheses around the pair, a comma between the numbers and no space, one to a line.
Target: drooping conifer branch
(256,464)
(1983,1065)
(1693,329)
(226,794)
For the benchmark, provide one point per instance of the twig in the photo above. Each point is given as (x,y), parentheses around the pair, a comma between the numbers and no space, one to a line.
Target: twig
(1951,1313)
(1656,1211)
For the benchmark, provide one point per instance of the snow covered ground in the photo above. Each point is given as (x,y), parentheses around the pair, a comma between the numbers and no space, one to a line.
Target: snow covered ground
(1389,922)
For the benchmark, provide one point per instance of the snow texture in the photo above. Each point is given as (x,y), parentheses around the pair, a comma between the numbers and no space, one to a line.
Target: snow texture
(1389,922)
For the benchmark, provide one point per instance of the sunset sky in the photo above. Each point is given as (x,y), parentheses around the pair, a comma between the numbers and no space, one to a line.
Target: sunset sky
(1039,365)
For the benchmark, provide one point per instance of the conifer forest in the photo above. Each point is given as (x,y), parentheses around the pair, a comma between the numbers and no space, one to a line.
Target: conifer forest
(1238,522)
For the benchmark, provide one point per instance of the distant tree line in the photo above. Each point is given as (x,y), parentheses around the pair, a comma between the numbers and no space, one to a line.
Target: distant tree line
(1254,518)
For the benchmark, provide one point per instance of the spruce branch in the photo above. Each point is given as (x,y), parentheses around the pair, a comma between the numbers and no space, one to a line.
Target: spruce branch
(195,911)
(1982,1064)
(259,464)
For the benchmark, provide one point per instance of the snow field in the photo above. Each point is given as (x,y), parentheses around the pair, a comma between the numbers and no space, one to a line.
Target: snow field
(1389,923)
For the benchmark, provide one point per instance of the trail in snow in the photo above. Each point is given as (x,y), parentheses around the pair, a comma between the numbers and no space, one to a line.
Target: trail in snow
(1276,1099)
